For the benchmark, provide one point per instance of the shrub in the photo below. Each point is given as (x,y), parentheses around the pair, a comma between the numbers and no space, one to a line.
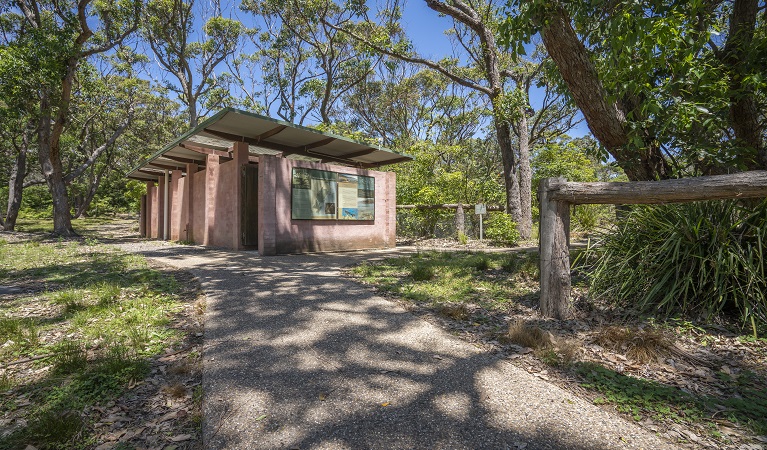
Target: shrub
(698,258)
(501,229)
(421,272)
(481,264)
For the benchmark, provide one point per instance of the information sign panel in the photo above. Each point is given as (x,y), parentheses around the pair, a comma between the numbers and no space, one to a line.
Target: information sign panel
(320,194)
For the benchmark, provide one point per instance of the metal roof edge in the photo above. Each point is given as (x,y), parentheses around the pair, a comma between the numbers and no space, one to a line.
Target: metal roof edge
(182,137)
(224,111)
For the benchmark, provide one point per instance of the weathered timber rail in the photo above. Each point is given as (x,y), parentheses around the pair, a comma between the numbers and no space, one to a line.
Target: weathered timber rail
(557,194)
(449,206)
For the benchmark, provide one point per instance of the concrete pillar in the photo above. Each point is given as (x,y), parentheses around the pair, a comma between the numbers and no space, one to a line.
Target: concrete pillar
(240,158)
(267,204)
(142,217)
(160,200)
(211,186)
(176,202)
(187,209)
(151,206)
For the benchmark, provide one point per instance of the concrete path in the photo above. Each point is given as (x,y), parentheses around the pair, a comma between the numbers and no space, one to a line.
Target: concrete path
(297,357)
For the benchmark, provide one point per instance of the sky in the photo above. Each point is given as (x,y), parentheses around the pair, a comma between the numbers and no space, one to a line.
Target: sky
(423,26)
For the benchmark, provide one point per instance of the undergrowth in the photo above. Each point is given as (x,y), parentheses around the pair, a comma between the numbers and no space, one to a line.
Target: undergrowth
(703,258)
(112,312)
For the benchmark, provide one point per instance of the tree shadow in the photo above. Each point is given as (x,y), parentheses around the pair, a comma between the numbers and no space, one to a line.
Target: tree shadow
(297,357)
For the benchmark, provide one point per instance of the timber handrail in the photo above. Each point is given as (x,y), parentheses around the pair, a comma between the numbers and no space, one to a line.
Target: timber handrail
(557,194)
(449,206)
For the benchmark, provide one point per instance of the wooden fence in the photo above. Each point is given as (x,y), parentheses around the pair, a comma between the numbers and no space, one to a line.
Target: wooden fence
(557,194)
(460,208)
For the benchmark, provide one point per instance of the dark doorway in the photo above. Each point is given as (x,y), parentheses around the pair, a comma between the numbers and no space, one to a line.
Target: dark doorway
(250,205)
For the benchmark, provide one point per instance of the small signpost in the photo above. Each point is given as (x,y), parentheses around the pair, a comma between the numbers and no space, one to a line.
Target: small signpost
(481,209)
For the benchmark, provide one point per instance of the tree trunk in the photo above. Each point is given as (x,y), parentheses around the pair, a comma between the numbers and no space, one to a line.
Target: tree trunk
(460,221)
(509,170)
(525,225)
(744,113)
(93,186)
(53,172)
(606,118)
(16,186)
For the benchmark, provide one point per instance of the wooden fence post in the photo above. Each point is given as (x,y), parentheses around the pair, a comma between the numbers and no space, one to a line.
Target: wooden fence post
(554,251)
(460,221)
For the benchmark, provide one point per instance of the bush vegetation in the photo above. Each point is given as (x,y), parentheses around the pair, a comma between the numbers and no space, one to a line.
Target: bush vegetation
(501,229)
(704,258)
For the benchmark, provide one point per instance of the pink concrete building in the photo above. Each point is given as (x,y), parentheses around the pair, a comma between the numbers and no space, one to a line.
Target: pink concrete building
(244,181)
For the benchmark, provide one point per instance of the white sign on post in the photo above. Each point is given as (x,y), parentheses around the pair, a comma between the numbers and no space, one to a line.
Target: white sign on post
(481,209)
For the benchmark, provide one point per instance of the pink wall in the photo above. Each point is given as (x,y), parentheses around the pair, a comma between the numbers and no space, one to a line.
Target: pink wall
(280,234)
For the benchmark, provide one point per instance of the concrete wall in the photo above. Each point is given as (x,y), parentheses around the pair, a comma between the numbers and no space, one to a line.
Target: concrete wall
(204,207)
(280,234)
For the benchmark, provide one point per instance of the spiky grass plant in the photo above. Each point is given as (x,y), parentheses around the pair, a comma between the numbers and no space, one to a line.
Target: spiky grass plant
(704,258)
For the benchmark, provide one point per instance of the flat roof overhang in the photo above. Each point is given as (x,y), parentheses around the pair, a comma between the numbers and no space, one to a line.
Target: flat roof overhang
(264,136)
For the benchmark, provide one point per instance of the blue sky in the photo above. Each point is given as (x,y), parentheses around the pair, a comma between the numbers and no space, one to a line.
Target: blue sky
(423,26)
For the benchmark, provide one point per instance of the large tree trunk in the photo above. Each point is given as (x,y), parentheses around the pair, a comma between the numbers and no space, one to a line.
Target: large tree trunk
(16,186)
(53,172)
(525,225)
(743,109)
(606,119)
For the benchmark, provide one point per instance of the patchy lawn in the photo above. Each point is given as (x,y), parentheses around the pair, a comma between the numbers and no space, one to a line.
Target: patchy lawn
(702,385)
(98,349)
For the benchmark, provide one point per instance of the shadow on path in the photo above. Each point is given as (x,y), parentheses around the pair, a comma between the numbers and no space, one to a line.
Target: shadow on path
(296,356)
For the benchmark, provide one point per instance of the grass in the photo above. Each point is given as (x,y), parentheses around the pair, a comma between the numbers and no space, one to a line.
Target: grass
(111,312)
(642,345)
(38,225)
(445,280)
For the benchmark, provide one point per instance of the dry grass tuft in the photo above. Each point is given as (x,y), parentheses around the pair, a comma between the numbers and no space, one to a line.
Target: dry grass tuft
(455,311)
(176,390)
(522,334)
(182,368)
(567,351)
(645,345)
(199,307)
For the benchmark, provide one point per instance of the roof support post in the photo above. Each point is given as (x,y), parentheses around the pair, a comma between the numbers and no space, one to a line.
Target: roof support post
(165,222)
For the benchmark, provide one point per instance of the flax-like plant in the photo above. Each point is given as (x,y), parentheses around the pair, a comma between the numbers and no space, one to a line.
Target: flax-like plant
(703,258)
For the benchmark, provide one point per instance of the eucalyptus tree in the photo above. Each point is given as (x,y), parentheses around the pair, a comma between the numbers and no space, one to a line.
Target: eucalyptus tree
(308,64)
(49,42)
(489,71)
(170,29)
(402,103)
(668,88)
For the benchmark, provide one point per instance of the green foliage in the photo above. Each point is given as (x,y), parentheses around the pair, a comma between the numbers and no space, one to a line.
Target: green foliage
(637,397)
(502,229)
(698,258)
(524,264)
(421,273)
(462,238)
(669,59)
(744,400)
(481,264)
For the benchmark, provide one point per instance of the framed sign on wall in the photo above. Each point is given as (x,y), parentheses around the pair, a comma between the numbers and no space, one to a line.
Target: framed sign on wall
(320,194)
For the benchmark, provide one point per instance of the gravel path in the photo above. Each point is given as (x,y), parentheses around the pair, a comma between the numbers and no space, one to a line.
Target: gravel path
(296,356)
